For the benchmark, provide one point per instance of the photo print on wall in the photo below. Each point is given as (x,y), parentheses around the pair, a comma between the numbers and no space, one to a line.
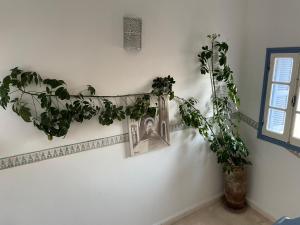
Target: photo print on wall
(150,133)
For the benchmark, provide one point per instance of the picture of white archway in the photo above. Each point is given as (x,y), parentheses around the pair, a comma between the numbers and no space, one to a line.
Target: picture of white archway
(150,133)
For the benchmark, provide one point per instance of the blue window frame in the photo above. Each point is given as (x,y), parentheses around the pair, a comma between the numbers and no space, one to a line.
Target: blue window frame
(266,97)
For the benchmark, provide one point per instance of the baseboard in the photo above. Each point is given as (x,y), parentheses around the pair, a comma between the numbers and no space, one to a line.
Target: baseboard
(178,216)
(255,206)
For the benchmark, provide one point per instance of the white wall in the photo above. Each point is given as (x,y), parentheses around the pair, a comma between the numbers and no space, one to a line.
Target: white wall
(81,42)
(274,183)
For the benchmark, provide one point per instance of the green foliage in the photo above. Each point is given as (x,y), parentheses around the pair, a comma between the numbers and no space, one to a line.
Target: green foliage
(91,90)
(220,130)
(54,122)
(140,108)
(4,93)
(192,117)
(62,93)
(82,109)
(110,113)
(230,150)
(163,86)
(222,72)
(53,108)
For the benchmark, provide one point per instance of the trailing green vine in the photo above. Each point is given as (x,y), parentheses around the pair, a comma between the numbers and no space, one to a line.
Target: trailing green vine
(52,108)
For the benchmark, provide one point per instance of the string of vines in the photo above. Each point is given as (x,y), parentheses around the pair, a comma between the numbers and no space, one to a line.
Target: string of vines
(52,109)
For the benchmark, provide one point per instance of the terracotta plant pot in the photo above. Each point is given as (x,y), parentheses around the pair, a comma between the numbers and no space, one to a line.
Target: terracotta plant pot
(235,188)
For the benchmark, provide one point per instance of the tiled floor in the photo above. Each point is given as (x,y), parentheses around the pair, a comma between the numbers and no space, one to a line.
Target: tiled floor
(217,214)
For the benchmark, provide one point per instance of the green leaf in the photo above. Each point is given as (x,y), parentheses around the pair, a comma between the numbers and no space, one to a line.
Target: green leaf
(45,100)
(172,95)
(24,78)
(222,59)
(25,113)
(4,101)
(62,93)
(4,97)
(53,83)
(36,78)
(91,90)
(15,72)
(6,81)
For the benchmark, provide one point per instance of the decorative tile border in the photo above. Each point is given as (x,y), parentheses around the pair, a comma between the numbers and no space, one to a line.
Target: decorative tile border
(32,157)
(252,123)
(51,153)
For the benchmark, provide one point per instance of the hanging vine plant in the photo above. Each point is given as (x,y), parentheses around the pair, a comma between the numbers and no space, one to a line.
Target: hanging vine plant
(52,109)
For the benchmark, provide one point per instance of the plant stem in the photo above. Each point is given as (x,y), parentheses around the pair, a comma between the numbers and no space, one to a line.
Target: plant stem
(212,74)
(34,106)
(205,120)
(86,96)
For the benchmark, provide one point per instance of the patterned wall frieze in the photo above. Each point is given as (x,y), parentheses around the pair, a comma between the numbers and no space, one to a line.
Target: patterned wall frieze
(32,157)
(252,123)
(51,153)
(37,156)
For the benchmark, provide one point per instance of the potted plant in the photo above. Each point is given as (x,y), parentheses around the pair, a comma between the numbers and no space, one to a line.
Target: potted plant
(221,128)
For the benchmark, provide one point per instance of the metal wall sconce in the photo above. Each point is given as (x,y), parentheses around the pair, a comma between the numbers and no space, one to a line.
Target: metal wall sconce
(132,28)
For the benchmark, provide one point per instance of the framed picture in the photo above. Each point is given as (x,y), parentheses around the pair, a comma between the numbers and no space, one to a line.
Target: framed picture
(150,133)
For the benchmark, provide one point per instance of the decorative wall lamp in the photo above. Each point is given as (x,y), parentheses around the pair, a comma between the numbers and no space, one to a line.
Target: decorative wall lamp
(132,28)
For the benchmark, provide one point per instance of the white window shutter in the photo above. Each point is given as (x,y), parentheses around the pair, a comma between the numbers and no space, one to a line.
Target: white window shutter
(282,79)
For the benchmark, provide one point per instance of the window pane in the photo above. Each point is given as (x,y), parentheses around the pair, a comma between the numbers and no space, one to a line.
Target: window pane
(276,121)
(296,132)
(283,70)
(279,96)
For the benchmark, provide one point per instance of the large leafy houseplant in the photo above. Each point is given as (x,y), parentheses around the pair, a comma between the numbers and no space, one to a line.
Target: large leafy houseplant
(220,130)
